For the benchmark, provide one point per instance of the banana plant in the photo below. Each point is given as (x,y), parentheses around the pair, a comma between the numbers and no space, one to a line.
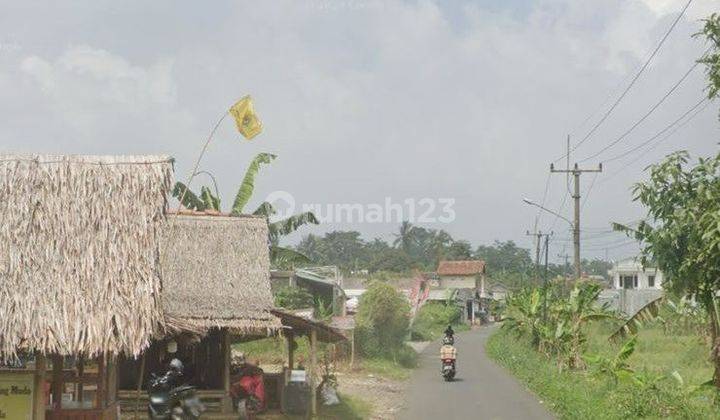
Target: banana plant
(616,367)
(206,200)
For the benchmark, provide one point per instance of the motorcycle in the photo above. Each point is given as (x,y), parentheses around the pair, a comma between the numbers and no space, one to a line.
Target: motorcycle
(170,401)
(448,355)
(448,369)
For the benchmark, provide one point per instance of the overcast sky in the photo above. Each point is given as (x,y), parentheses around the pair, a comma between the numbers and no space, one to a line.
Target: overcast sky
(364,100)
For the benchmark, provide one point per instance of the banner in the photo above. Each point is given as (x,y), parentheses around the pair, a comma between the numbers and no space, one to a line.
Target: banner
(16,396)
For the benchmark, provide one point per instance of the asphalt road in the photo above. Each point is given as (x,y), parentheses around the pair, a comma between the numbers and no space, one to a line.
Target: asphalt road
(481,390)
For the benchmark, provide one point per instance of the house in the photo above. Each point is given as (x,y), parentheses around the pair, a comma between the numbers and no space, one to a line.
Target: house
(497,291)
(631,275)
(80,274)
(462,275)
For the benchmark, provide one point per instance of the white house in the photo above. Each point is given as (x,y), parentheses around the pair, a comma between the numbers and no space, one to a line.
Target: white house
(630,274)
(462,275)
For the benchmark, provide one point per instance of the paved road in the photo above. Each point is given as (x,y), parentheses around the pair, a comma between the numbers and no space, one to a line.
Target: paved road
(482,389)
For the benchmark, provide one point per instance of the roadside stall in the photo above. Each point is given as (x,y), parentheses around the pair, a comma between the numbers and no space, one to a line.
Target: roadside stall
(216,290)
(79,278)
(298,382)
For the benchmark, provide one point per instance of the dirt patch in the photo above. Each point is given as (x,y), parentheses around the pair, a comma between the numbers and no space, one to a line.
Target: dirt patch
(385,395)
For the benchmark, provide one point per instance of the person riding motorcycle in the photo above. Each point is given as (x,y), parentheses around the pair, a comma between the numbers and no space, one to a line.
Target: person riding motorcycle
(448,355)
(449,335)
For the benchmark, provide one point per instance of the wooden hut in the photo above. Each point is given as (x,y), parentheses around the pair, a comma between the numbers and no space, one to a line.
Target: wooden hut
(79,278)
(216,289)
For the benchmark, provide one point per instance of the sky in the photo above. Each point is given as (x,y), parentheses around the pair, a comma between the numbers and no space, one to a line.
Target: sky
(454,109)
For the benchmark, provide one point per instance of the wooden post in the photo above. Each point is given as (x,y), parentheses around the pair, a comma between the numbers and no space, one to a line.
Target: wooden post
(352,349)
(227,404)
(139,385)
(100,393)
(57,383)
(290,337)
(313,368)
(80,372)
(39,400)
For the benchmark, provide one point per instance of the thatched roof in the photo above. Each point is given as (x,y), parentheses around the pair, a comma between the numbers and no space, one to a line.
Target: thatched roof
(79,252)
(216,273)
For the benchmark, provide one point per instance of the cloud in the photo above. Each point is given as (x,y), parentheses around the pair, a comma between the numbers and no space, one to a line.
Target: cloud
(361,100)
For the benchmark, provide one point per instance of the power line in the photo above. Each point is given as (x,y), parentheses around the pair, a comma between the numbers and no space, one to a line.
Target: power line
(644,117)
(632,82)
(658,134)
(587,193)
(652,147)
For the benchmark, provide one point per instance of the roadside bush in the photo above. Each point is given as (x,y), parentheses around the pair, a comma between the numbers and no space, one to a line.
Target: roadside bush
(433,318)
(382,320)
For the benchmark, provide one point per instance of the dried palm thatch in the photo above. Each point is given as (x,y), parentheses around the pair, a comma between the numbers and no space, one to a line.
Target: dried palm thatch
(79,244)
(216,273)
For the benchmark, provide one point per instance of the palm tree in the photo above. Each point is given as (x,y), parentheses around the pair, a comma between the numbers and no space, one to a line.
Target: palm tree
(405,238)
(209,201)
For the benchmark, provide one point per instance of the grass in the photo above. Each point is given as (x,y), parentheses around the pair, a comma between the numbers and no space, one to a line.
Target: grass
(350,408)
(583,395)
(385,368)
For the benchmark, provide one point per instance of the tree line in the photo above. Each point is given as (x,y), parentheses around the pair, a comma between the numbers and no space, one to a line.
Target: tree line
(418,248)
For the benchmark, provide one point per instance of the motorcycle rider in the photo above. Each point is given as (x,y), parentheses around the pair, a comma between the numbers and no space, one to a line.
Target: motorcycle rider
(448,351)
(449,335)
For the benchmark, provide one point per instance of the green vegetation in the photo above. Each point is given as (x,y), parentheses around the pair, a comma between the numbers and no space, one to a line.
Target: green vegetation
(662,373)
(350,407)
(382,319)
(681,233)
(418,248)
(433,318)
(289,297)
(281,257)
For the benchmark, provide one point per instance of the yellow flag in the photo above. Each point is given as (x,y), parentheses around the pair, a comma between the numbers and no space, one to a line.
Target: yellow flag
(248,123)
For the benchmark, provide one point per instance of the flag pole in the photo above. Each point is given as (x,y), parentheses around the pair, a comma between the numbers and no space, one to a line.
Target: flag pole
(197,162)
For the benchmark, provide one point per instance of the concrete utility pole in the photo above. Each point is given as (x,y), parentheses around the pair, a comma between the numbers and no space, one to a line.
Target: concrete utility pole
(576,172)
(538,238)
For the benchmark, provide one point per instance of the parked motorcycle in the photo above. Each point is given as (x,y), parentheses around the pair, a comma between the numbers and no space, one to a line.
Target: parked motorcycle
(170,399)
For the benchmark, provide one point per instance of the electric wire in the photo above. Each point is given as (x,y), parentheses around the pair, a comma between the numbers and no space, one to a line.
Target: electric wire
(632,83)
(644,117)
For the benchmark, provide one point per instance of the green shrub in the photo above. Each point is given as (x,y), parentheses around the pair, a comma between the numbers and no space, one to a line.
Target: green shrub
(290,297)
(406,357)
(382,320)
(433,318)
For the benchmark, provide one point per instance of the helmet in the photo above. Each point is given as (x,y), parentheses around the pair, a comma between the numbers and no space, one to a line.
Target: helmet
(448,340)
(176,365)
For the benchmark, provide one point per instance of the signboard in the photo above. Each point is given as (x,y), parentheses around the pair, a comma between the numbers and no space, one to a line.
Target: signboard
(16,396)
(297,376)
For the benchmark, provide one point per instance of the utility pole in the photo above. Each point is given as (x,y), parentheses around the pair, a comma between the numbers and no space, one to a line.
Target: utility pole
(545,277)
(564,255)
(576,172)
(538,240)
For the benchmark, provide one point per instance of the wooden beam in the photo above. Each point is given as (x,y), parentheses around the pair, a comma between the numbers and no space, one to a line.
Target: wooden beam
(80,372)
(227,404)
(100,393)
(290,338)
(57,383)
(39,397)
(352,349)
(139,384)
(313,369)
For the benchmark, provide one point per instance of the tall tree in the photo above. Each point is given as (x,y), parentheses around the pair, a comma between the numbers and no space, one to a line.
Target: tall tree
(682,231)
